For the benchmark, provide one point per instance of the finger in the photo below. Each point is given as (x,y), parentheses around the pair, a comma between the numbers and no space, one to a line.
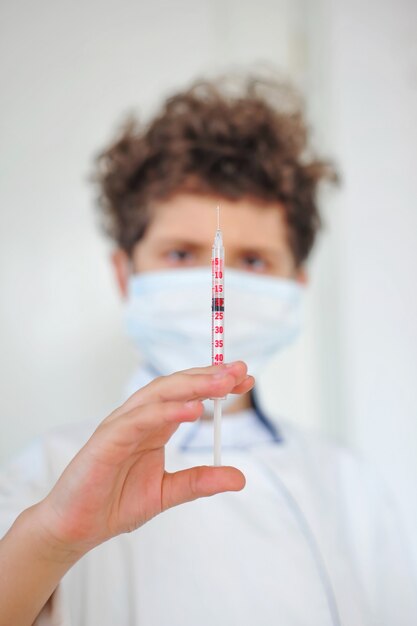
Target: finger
(207,369)
(132,430)
(199,482)
(246,385)
(157,414)
(213,381)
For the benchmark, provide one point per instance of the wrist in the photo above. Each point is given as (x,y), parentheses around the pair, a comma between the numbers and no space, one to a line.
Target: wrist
(32,565)
(35,525)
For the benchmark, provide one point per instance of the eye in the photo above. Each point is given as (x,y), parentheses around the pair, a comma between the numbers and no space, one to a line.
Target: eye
(179,256)
(254,262)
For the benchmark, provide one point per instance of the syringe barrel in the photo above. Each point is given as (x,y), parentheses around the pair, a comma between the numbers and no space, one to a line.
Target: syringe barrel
(217,301)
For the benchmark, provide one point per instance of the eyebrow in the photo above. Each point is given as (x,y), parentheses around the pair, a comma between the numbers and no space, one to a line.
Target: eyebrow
(177,242)
(261,250)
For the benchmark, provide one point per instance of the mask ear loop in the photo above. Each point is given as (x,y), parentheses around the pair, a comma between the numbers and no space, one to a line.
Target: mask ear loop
(130,269)
(130,264)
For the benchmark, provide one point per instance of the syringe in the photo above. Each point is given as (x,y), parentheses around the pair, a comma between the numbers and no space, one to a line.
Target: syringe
(217,327)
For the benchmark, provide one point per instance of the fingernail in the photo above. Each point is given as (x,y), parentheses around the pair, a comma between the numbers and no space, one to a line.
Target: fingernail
(191,404)
(232,364)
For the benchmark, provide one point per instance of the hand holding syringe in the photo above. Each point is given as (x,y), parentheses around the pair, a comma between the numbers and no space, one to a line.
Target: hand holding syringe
(217,327)
(116,483)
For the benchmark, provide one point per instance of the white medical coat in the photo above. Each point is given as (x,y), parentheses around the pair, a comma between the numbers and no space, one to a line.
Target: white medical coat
(312,540)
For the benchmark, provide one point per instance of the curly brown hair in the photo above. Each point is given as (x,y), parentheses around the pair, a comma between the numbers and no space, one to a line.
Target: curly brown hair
(210,140)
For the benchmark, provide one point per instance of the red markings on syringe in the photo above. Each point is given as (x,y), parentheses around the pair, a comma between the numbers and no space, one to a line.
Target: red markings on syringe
(217,303)
(217,307)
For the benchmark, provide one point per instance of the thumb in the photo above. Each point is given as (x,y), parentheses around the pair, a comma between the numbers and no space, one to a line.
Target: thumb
(199,482)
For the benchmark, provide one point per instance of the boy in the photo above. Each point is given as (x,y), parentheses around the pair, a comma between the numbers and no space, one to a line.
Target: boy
(310,540)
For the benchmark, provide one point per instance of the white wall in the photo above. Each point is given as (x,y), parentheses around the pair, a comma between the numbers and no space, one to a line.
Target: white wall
(369,55)
(68,72)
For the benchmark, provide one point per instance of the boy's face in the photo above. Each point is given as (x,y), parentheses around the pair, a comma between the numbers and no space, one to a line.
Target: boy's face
(182,230)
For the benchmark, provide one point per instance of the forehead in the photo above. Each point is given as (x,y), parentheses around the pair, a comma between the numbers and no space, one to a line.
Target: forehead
(244,222)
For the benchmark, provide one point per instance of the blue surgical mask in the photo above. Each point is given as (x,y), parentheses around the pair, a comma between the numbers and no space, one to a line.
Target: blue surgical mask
(168,317)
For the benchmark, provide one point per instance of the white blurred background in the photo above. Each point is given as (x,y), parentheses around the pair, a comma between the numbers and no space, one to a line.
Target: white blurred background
(68,73)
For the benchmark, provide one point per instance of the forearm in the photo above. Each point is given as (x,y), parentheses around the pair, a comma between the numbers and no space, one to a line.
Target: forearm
(30,569)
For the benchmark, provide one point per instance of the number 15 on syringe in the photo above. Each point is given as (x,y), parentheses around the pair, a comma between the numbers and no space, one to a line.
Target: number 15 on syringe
(217,326)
